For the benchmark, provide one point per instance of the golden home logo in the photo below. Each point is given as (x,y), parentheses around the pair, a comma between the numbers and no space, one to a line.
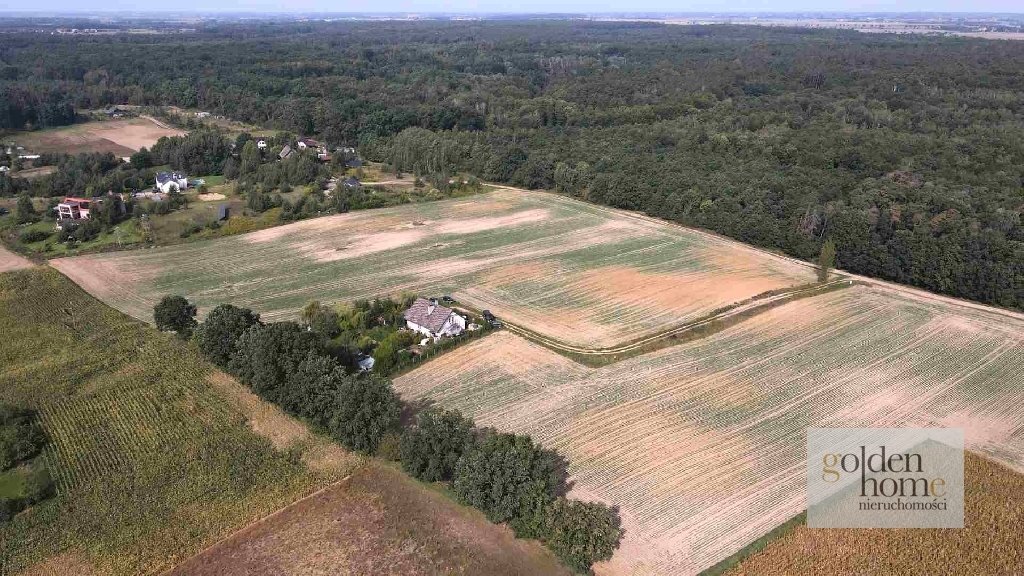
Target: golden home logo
(884,478)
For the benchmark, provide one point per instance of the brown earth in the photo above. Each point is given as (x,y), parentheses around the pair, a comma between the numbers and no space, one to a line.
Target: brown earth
(11,261)
(377,522)
(119,137)
(991,541)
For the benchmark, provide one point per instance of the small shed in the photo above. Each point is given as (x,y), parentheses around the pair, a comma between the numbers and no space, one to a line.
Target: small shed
(223,212)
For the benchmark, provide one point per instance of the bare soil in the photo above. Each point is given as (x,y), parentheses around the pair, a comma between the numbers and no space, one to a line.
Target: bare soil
(377,522)
(11,261)
(119,137)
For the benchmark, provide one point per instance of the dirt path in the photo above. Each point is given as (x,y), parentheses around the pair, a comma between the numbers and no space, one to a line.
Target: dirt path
(159,123)
(11,261)
(754,305)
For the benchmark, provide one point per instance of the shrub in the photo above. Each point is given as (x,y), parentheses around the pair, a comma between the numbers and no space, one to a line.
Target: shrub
(21,438)
(390,447)
(431,449)
(30,236)
(265,355)
(582,533)
(366,408)
(503,475)
(175,314)
(217,336)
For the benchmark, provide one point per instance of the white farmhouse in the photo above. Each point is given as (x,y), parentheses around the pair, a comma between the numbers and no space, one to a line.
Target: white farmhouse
(167,182)
(432,320)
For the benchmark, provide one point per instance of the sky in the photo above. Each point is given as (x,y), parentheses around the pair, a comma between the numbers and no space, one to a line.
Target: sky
(524,6)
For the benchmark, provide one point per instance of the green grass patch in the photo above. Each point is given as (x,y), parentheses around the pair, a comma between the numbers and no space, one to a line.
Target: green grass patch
(12,483)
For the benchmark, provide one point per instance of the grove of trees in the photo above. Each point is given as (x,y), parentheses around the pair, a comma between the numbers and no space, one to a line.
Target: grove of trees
(507,476)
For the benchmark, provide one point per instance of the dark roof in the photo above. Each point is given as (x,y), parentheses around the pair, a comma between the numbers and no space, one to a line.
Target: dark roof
(354,163)
(351,182)
(162,177)
(427,314)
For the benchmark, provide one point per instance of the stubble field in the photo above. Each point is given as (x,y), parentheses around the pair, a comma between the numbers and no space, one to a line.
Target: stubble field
(702,444)
(579,273)
(119,137)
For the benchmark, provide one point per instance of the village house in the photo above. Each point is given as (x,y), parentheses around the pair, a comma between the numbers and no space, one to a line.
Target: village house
(168,182)
(285,152)
(73,209)
(351,182)
(261,142)
(433,320)
(310,144)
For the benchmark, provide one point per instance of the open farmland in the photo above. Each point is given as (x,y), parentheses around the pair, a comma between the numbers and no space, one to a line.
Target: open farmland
(991,541)
(566,269)
(377,521)
(150,463)
(702,445)
(119,137)
(156,455)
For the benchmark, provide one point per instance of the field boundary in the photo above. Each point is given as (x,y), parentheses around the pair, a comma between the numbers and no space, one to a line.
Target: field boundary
(905,289)
(690,330)
(257,522)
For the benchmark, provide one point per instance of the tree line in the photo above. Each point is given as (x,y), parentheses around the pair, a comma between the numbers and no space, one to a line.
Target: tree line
(906,151)
(508,477)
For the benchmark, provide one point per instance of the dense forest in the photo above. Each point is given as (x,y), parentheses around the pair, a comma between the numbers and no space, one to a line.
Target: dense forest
(907,152)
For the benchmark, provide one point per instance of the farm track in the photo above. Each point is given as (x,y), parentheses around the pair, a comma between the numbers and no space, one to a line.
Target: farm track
(754,306)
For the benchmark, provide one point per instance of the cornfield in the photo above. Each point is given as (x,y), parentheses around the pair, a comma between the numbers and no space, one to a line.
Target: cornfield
(150,462)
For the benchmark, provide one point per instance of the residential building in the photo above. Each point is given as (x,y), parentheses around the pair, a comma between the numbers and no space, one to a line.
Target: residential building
(168,182)
(433,320)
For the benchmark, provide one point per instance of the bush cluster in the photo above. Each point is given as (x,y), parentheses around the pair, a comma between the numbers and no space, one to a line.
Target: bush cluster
(506,476)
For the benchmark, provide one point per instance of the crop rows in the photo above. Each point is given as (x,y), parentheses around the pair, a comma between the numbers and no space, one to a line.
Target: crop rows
(150,461)
(702,445)
(566,269)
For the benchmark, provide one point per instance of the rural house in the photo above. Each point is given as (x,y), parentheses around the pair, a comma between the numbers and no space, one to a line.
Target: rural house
(167,182)
(351,182)
(285,152)
(433,320)
(74,209)
(310,144)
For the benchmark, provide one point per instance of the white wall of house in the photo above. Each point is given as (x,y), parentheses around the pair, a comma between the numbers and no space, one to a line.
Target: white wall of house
(173,184)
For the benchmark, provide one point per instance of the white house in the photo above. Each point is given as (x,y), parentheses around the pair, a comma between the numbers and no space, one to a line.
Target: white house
(433,320)
(167,182)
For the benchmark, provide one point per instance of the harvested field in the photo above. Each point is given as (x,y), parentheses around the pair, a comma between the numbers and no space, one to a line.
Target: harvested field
(576,272)
(702,445)
(11,261)
(991,541)
(379,521)
(119,137)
